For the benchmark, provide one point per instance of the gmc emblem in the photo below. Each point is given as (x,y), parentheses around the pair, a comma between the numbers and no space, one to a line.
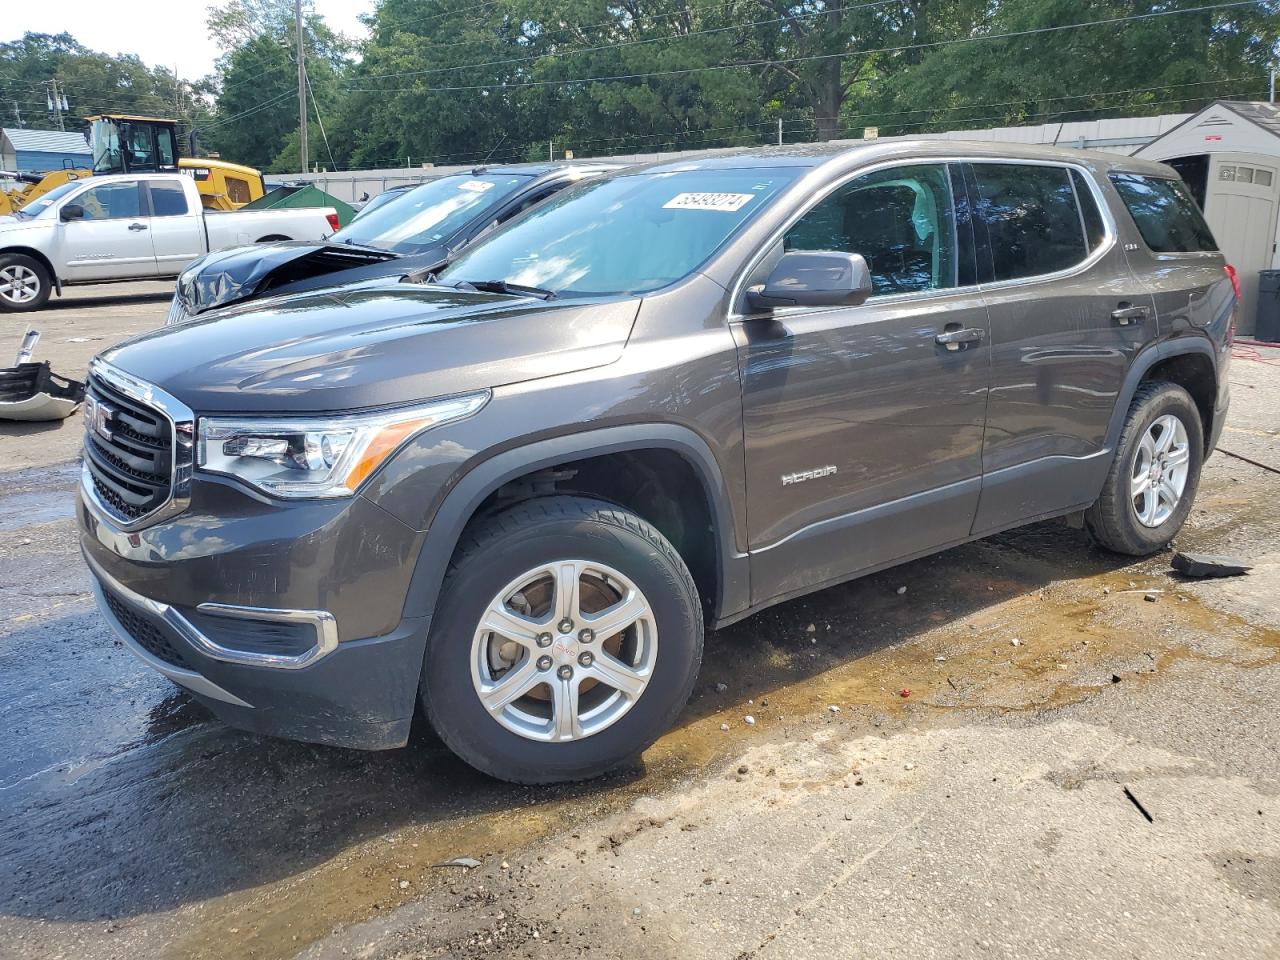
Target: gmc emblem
(98,415)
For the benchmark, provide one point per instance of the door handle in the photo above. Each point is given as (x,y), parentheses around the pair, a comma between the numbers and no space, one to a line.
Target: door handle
(137,226)
(1127,314)
(954,339)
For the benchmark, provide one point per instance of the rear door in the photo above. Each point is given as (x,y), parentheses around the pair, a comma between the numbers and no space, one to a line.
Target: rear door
(1067,319)
(863,432)
(113,240)
(177,231)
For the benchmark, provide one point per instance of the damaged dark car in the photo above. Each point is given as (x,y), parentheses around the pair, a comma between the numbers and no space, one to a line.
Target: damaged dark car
(410,236)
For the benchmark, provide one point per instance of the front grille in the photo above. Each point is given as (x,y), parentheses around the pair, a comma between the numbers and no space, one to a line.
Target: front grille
(128,449)
(149,633)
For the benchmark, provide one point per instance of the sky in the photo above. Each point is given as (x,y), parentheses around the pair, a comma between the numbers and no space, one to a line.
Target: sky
(168,33)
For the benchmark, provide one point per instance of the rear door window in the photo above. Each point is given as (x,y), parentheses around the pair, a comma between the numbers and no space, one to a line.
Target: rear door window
(1032,218)
(167,199)
(1166,215)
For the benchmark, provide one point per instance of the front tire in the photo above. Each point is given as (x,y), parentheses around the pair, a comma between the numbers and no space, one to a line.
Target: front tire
(25,284)
(1155,474)
(566,640)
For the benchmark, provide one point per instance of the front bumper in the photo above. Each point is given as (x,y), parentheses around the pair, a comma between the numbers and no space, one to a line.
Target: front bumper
(282,620)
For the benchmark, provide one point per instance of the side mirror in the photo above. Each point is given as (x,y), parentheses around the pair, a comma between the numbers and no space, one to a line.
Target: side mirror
(807,278)
(72,211)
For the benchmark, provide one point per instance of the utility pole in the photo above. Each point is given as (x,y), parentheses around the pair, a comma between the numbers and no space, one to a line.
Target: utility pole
(551,151)
(302,86)
(1272,94)
(56,104)
(779,131)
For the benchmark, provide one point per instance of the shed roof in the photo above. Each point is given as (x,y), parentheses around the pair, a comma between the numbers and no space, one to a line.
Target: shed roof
(1265,115)
(46,141)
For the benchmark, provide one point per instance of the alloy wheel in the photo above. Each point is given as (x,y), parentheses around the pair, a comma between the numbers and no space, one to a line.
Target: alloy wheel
(564,651)
(19,284)
(1160,471)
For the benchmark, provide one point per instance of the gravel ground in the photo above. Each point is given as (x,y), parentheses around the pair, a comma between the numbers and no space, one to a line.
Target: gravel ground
(1107,786)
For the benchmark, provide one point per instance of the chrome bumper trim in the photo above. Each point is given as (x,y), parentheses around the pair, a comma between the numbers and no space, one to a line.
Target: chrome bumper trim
(195,682)
(326,629)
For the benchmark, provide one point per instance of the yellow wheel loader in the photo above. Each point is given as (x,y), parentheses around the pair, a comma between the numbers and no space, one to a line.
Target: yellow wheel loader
(121,143)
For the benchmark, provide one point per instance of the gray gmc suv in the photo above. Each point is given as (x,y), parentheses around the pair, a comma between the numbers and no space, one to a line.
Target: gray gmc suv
(517,494)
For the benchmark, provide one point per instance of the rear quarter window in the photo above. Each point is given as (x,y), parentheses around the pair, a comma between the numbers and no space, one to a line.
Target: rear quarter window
(1166,215)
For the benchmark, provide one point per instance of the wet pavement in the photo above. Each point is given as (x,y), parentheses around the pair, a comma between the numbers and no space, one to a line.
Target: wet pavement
(133,824)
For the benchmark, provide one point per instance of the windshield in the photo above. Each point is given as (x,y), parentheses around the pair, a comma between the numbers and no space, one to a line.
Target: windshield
(104,141)
(628,234)
(46,201)
(435,211)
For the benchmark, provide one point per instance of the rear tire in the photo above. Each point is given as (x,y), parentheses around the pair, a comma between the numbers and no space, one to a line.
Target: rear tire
(25,284)
(1153,479)
(589,703)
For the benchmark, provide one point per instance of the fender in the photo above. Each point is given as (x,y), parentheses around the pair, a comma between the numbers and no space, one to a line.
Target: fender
(1142,364)
(457,508)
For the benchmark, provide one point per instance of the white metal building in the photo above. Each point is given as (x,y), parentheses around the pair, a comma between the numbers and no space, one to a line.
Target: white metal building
(37,151)
(1229,154)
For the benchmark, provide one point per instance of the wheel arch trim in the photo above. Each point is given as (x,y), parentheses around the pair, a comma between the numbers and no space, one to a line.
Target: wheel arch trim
(471,490)
(36,255)
(1141,366)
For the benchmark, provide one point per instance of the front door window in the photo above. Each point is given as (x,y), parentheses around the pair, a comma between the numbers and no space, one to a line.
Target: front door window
(111,201)
(900,220)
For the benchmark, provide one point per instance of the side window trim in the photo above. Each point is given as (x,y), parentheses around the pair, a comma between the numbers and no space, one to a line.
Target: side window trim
(1092,258)
(775,239)
(986,268)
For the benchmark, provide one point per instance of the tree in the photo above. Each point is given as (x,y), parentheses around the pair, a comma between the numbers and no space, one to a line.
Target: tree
(1038,73)
(92,82)
(257,99)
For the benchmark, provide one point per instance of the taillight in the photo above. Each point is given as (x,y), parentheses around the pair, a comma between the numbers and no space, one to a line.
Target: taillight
(334,225)
(1234,277)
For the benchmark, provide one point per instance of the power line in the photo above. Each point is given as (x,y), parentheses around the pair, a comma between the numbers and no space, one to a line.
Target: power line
(1039,31)
(847,125)
(627,43)
(320,120)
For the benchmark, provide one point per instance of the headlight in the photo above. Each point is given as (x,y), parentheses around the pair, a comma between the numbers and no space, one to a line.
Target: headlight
(318,456)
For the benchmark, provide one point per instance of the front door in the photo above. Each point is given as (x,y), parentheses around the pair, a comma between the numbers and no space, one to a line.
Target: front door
(1067,319)
(863,431)
(113,240)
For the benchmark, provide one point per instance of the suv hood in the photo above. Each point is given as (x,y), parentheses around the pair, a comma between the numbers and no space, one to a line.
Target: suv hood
(229,276)
(347,348)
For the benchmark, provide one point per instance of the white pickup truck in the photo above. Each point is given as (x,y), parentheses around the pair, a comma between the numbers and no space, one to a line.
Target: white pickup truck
(128,227)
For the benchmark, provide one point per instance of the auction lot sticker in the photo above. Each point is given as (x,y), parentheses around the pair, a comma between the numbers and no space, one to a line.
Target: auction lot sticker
(475,186)
(728,202)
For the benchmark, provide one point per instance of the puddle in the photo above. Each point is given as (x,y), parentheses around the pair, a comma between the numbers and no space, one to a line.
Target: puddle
(32,509)
(872,644)
(179,831)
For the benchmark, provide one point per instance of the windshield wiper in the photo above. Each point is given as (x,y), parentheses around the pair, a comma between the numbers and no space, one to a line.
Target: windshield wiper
(503,286)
